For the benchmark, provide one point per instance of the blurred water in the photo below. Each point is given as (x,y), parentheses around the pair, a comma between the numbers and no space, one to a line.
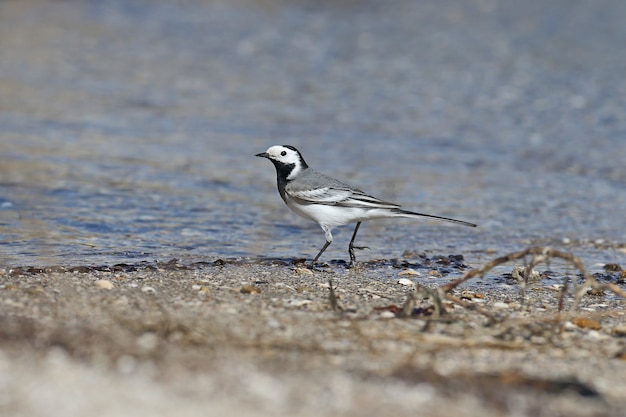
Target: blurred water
(128,128)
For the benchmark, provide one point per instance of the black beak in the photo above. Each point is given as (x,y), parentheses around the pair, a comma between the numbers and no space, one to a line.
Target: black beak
(263,155)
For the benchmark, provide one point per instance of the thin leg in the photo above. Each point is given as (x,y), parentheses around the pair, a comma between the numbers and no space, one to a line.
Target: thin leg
(329,240)
(351,246)
(321,251)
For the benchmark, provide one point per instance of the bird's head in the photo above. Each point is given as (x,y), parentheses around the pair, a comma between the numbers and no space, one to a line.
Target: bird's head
(287,160)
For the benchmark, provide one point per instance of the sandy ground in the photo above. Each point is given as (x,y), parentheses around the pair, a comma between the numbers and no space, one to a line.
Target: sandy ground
(266,338)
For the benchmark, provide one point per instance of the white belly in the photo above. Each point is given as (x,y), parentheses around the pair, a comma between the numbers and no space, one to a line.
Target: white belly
(332,216)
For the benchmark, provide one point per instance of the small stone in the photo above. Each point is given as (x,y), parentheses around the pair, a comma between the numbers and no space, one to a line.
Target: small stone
(501,305)
(612,268)
(303,271)
(297,303)
(387,315)
(594,334)
(409,272)
(619,331)
(250,289)
(569,326)
(434,273)
(468,295)
(148,290)
(587,323)
(104,284)
(406,282)
(595,291)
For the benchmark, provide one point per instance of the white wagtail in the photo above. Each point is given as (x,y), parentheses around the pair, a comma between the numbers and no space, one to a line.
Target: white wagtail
(328,201)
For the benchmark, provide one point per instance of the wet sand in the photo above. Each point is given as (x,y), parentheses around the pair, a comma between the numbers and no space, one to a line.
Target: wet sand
(267,338)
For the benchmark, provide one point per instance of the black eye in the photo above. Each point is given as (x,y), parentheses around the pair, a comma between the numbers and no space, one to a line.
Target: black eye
(283,153)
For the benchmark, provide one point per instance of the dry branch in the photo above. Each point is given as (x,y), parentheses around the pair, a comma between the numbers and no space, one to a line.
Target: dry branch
(539,255)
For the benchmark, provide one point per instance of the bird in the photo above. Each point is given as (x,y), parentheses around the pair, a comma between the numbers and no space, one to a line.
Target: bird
(329,201)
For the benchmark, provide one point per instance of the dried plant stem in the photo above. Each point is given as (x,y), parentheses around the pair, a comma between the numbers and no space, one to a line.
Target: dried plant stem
(332,298)
(539,255)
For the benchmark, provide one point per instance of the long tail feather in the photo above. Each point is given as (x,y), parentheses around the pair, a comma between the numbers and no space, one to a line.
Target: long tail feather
(445,219)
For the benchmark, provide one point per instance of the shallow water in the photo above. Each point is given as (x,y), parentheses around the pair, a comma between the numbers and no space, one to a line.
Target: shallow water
(128,128)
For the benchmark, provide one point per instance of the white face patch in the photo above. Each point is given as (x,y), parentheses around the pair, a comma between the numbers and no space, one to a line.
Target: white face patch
(288,157)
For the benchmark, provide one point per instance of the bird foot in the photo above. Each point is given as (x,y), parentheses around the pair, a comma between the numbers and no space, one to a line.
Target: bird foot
(315,266)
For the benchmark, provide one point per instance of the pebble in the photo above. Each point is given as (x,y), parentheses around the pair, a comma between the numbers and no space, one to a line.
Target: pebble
(409,272)
(406,282)
(501,305)
(594,334)
(250,289)
(297,303)
(387,315)
(148,290)
(587,323)
(470,295)
(619,331)
(104,284)
(612,268)
(569,326)
(303,271)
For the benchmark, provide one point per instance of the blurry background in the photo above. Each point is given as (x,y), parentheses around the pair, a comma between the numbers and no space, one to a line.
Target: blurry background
(128,128)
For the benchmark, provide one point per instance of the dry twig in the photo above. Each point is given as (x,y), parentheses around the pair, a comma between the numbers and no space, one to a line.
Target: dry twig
(539,255)
(332,297)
